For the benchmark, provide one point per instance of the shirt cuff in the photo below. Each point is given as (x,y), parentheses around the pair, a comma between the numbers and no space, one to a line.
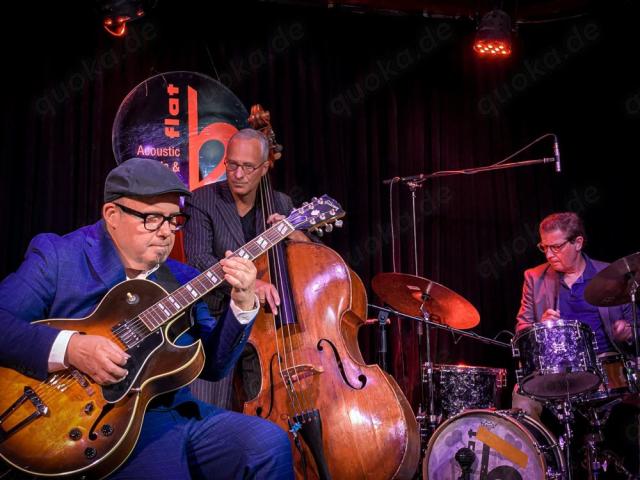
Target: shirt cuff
(245,317)
(59,350)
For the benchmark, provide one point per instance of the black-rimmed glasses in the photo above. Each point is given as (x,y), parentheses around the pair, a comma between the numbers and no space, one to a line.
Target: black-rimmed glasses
(153,221)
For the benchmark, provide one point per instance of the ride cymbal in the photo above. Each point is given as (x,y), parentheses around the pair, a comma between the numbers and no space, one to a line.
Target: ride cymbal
(405,293)
(612,285)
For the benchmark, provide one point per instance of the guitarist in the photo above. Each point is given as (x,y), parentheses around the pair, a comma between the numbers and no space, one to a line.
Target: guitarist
(66,277)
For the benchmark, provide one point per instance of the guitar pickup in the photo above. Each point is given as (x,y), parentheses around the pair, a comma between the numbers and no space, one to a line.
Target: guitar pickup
(82,381)
(40,410)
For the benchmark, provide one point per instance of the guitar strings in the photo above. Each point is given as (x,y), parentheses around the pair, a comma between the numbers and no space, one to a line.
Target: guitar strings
(58,383)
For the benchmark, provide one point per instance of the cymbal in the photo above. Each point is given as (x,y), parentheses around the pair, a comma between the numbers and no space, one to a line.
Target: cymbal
(612,285)
(405,294)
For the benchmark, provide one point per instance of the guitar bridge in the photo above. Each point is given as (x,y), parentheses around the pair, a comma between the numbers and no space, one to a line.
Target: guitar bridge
(40,410)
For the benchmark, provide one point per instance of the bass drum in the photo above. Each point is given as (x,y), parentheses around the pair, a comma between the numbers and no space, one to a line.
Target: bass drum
(508,445)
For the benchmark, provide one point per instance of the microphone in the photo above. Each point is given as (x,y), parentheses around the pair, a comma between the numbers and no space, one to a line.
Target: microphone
(556,154)
(465,458)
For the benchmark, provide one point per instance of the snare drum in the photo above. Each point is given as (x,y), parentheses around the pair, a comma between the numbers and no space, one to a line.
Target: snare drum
(507,445)
(462,387)
(557,359)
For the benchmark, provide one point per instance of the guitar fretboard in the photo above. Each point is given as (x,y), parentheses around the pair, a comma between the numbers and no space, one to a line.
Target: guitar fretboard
(167,308)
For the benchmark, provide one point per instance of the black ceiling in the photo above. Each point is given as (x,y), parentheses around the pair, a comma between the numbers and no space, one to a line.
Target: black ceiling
(521,10)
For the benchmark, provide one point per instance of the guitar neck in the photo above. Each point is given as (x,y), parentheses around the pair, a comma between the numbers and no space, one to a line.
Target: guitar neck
(183,297)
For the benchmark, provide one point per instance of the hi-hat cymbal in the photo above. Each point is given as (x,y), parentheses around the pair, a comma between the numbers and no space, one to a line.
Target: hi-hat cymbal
(405,293)
(612,286)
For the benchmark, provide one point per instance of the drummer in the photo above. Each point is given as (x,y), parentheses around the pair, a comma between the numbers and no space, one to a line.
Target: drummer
(555,290)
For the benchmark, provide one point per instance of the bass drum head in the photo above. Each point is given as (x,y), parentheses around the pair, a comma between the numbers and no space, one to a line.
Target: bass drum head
(507,446)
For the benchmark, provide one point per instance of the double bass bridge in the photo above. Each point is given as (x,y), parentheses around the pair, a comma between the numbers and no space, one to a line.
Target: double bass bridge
(40,409)
(297,373)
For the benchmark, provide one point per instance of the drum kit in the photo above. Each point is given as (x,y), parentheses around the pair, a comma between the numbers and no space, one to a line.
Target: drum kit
(559,365)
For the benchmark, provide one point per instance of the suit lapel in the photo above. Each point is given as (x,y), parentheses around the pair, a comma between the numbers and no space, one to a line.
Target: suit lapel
(103,257)
(226,207)
(548,292)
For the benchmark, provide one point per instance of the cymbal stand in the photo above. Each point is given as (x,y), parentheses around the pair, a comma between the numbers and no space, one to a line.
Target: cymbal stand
(441,326)
(425,416)
(634,311)
(599,461)
(430,418)
(596,462)
(563,411)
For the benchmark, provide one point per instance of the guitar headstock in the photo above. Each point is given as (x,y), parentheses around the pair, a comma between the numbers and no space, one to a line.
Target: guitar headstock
(320,213)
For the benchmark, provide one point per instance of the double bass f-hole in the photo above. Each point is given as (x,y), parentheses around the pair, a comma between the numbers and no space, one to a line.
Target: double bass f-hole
(362,378)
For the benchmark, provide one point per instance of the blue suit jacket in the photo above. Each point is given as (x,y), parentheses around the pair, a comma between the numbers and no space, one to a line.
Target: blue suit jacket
(66,277)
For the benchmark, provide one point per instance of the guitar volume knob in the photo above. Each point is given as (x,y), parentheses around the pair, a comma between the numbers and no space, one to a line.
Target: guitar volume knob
(75,434)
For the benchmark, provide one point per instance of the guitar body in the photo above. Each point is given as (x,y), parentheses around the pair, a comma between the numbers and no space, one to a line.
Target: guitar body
(68,425)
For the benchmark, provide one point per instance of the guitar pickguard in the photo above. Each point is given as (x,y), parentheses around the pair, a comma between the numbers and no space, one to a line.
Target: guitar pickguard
(139,356)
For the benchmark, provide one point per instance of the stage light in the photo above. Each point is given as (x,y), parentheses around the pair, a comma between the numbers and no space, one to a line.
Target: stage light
(117,13)
(493,38)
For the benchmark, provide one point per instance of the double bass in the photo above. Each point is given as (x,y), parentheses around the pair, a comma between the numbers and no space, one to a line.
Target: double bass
(346,419)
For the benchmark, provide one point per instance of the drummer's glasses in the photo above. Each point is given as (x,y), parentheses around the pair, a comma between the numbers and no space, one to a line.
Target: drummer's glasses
(555,249)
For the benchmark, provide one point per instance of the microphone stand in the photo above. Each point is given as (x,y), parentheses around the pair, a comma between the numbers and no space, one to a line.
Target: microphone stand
(421,178)
(501,165)
(429,413)
(442,326)
(414,182)
(382,350)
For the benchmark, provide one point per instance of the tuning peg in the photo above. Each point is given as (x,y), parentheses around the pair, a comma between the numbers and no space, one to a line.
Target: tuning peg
(323,216)
(328,228)
(339,223)
(314,199)
(319,232)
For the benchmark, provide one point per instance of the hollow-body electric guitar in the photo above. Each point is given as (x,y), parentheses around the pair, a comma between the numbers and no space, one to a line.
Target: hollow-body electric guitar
(68,425)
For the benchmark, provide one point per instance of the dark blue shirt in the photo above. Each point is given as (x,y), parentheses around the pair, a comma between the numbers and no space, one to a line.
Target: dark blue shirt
(573,306)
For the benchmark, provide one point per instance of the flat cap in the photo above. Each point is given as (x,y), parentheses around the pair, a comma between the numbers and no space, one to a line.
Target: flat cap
(142,177)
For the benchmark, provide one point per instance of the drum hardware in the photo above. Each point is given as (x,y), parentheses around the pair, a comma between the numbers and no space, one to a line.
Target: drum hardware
(438,306)
(414,182)
(617,284)
(563,411)
(430,415)
(598,460)
(427,417)
(506,444)
(465,458)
